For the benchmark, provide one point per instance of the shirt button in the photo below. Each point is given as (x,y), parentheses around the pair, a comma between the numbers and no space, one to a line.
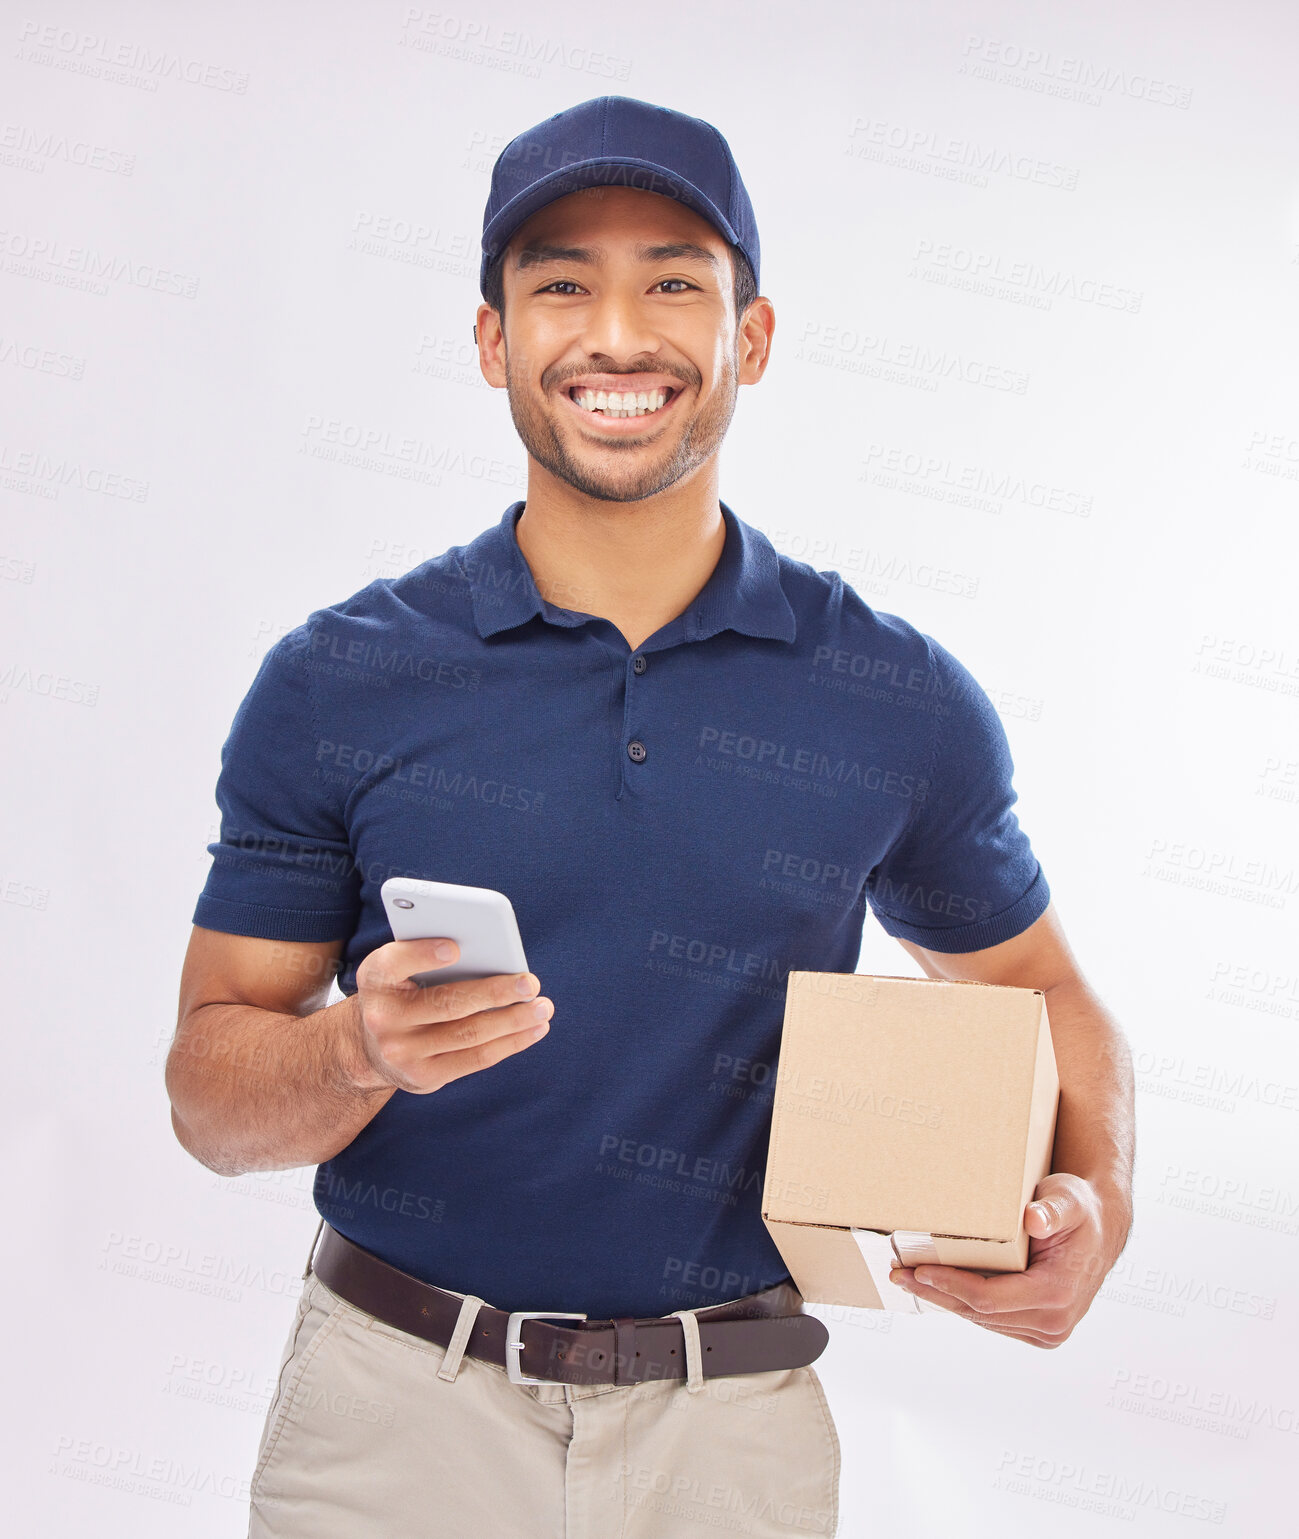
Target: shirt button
(638,664)
(636,751)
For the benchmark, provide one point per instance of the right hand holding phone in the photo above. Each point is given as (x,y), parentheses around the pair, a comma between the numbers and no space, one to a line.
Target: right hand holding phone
(421,1038)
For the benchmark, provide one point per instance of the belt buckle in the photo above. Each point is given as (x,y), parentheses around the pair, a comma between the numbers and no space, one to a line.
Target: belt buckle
(514,1342)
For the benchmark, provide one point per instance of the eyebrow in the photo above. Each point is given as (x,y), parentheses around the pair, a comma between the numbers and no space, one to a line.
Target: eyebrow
(536,253)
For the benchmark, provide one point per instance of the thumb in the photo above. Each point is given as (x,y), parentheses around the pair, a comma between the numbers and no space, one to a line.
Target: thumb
(1061,1202)
(1047,1216)
(1044,1216)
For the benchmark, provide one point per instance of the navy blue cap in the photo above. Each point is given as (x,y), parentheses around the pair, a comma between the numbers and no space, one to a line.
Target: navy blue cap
(617,141)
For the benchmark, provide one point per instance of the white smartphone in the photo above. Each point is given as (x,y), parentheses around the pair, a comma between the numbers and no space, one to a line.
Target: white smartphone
(480,920)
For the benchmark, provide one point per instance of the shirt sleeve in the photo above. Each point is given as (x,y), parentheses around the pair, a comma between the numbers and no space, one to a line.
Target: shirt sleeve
(283,868)
(962,874)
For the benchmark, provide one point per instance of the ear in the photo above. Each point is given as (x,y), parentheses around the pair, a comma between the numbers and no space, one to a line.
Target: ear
(755,340)
(491,346)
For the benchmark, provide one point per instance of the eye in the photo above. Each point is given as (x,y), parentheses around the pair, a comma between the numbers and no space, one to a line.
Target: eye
(556,284)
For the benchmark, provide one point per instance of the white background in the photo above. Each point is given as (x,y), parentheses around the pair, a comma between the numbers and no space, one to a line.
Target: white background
(1095,204)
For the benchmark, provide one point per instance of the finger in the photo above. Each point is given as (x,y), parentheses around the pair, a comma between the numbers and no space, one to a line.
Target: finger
(1004,1293)
(1026,1324)
(390,966)
(1030,1337)
(462,1061)
(398,1004)
(454,1001)
(388,970)
(467,1031)
(414,1056)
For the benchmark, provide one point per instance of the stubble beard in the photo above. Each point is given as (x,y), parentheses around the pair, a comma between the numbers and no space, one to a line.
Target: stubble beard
(596,474)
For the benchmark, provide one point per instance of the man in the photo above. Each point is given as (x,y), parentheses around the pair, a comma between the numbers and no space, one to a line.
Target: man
(623,708)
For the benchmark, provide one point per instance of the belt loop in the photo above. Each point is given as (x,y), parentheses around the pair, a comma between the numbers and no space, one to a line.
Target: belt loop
(456,1346)
(311,1254)
(694,1356)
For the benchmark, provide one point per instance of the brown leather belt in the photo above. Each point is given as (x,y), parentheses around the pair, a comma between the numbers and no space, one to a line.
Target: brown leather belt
(750,1335)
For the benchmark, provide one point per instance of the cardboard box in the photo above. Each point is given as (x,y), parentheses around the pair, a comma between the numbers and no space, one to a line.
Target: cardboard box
(913,1118)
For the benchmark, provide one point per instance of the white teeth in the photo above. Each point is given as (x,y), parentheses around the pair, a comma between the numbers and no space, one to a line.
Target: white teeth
(631,403)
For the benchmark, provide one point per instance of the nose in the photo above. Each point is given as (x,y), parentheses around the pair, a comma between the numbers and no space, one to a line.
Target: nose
(618,326)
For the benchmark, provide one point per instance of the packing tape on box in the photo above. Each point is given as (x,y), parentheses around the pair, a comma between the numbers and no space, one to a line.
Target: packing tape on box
(914,1247)
(880,1252)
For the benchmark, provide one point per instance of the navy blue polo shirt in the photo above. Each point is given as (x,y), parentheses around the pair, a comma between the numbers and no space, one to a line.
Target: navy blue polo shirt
(677,826)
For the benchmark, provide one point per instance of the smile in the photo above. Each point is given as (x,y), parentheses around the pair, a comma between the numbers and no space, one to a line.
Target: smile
(621,411)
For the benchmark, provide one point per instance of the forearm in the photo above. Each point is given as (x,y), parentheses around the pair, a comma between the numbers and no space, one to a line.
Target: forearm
(254,1089)
(1095,1126)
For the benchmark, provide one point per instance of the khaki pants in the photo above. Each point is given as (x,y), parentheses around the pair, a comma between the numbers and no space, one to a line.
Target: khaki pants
(376,1434)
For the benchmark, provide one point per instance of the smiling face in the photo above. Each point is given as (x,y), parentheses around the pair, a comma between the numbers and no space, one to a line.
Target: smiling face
(622,357)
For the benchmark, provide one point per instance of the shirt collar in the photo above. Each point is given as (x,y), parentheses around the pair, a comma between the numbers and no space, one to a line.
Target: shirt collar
(743,592)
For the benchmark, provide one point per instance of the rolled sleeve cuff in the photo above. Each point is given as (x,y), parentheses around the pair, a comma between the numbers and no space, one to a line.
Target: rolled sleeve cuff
(992,931)
(285,924)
